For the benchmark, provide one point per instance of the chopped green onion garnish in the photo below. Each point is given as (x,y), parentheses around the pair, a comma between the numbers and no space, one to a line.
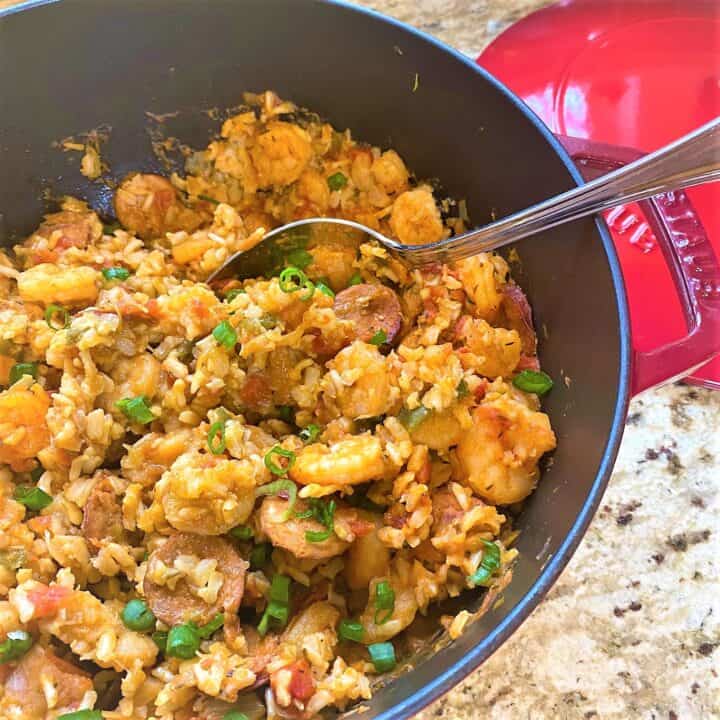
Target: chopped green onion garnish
(310,433)
(278,451)
(292,279)
(489,563)
(232,294)
(462,390)
(379,338)
(324,289)
(235,715)
(82,715)
(36,474)
(110,228)
(337,181)
(259,556)
(299,258)
(33,498)
(160,637)
(18,642)
(241,532)
(286,413)
(280,486)
(205,631)
(136,409)
(278,609)
(351,630)
(116,273)
(137,616)
(356,279)
(216,438)
(412,418)
(20,369)
(209,199)
(384,602)
(268,322)
(225,334)
(183,641)
(309,286)
(323,513)
(533,381)
(382,656)
(57,317)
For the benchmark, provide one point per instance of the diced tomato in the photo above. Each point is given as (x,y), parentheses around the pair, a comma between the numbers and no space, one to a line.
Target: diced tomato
(48,600)
(302,685)
(481,389)
(256,392)
(199,309)
(154,309)
(528,362)
(360,527)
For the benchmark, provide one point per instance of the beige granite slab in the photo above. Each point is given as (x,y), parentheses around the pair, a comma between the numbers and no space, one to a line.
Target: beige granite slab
(632,628)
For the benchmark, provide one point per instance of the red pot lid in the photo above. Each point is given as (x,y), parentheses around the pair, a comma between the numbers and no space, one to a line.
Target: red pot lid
(636,75)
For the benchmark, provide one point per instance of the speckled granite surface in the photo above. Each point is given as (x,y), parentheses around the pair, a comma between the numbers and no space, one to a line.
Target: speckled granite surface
(632,629)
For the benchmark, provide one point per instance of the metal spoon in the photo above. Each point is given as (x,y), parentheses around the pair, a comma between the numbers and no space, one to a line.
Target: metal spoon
(691,160)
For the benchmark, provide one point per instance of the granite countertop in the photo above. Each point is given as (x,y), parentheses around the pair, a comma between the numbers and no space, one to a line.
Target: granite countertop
(632,628)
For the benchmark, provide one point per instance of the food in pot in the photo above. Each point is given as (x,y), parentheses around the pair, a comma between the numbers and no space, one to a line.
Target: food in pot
(221,501)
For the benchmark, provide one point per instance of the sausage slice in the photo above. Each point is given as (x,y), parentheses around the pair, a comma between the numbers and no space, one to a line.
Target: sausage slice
(370,308)
(179,604)
(102,515)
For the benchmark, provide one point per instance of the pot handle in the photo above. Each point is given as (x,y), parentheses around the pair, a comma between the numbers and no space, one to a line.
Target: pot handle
(693,265)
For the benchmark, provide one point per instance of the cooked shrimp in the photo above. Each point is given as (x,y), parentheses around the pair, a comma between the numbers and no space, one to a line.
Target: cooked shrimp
(365,387)
(482,277)
(498,455)
(367,557)
(47,283)
(493,352)
(403,613)
(23,428)
(351,461)
(390,172)
(415,218)
(439,430)
(280,154)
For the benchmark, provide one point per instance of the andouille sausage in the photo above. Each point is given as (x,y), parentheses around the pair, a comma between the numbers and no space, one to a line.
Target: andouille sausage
(371,309)
(102,515)
(179,605)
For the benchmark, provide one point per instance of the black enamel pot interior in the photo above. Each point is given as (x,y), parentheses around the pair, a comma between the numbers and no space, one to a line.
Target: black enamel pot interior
(74,65)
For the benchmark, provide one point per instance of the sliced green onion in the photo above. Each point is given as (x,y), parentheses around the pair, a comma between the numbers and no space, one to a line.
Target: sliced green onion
(533,381)
(382,656)
(379,338)
(36,474)
(205,631)
(286,413)
(384,602)
(268,322)
(20,369)
(278,609)
(116,273)
(185,351)
(411,419)
(489,564)
(292,279)
(57,317)
(110,228)
(82,715)
(299,258)
(209,199)
(317,536)
(18,642)
(183,641)
(235,715)
(310,433)
(356,279)
(323,513)
(241,532)
(137,616)
(259,556)
(159,637)
(216,438)
(337,181)
(278,451)
(310,287)
(225,334)
(278,486)
(136,409)
(324,289)
(351,630)
(462,390)
(232,294)
(33,498)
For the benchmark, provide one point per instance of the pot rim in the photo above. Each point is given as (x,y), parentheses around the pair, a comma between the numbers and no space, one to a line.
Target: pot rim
(450,676)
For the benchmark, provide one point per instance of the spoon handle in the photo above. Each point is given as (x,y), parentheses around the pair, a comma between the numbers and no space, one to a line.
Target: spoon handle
(691,160)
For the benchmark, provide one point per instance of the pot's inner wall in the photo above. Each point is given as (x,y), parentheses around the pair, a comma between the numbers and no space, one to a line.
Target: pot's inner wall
(76,65)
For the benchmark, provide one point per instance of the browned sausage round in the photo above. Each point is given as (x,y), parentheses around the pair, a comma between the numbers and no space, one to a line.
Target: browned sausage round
(180,605)
(102,515)
(150,206)
(370,308)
